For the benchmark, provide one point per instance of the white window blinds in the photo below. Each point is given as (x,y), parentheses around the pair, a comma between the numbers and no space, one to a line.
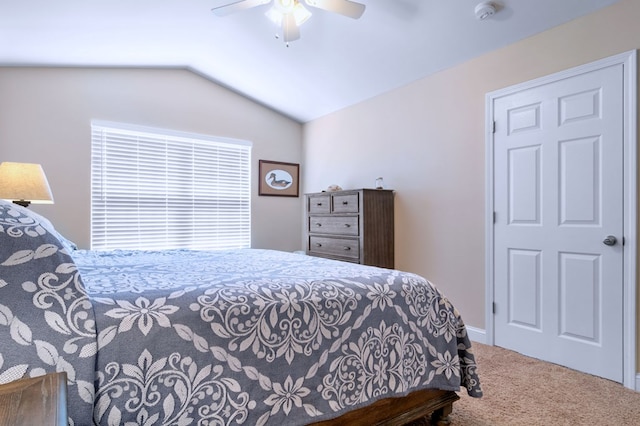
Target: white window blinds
(157,189)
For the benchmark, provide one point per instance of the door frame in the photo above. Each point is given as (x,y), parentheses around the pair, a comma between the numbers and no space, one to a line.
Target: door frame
(630,199)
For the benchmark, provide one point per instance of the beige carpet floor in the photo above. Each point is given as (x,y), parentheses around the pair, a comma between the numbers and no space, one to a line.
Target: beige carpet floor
(519,390)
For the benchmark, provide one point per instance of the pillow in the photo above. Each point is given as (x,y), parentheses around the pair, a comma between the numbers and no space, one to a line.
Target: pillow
(43,222)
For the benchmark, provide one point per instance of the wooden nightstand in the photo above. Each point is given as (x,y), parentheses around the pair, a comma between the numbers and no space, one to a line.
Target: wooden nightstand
(34,401)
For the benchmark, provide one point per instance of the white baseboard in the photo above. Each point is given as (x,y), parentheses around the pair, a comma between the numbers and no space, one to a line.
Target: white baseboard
(477,334)
(637,382)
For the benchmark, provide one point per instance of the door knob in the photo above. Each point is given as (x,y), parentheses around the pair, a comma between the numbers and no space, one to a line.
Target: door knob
(610,240)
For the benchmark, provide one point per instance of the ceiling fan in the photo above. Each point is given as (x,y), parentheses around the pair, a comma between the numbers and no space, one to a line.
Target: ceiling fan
(290,14)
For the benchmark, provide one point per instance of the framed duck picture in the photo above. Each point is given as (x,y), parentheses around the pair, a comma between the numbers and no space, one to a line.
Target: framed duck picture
(278,179)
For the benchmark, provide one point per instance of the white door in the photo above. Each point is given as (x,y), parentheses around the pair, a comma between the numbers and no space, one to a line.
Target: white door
(558,227)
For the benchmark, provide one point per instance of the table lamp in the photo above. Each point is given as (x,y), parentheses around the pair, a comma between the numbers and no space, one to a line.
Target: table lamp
(24,183)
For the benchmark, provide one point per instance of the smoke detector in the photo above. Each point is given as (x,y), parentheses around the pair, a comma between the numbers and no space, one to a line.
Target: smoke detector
(485,10)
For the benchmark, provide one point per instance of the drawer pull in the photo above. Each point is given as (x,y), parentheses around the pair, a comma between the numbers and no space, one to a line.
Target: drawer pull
(344,203)
(346,225)
(318,224)
(347,248)
(318,245)
(318,204)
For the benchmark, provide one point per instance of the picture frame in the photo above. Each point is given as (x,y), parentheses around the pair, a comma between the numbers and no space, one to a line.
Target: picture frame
(278,179)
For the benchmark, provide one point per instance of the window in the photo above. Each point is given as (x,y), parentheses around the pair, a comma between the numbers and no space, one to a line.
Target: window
(160,189)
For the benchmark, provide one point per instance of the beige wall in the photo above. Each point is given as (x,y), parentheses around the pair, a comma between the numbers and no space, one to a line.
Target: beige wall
(427,141)
(45,116)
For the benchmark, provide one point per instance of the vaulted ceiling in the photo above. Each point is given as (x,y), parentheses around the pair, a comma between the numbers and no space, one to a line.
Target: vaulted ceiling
(337,62)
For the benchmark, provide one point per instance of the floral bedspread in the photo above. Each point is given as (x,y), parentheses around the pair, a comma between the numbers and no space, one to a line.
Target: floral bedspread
(252,337)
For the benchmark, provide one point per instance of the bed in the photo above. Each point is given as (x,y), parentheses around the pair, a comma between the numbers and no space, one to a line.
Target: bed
(254,337)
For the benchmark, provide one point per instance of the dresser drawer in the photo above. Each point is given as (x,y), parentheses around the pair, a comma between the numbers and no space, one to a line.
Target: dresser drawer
(319,204)
(341,247)
(337,225)
(347,203)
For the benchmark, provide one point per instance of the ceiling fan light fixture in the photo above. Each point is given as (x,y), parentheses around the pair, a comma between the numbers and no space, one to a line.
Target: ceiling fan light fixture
(284,6)
(281,8)
(301,14)
(288,15)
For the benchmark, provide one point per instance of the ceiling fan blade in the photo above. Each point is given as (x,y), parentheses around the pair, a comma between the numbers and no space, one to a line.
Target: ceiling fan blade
(237,6)
(343,7)
(290,30)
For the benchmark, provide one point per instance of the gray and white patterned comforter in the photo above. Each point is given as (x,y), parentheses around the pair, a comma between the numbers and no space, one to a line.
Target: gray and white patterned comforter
(248,337)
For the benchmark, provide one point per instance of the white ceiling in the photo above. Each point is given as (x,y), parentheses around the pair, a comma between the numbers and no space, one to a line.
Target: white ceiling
(337,62)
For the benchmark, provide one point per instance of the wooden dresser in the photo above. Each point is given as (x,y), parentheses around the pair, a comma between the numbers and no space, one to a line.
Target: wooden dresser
(35,401)
(354,226)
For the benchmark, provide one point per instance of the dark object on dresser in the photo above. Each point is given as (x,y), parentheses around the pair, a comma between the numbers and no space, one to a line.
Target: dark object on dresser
(353,225)
(35,401)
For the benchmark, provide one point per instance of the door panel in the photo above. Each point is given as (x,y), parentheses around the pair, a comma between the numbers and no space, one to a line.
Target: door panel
(579,185)
(580,289)
(525,205)
(525,288)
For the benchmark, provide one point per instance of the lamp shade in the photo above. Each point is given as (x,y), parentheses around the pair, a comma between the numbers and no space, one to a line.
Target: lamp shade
(25,183)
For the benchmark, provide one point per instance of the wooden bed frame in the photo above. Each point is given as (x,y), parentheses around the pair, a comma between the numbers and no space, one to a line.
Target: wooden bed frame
(423,407)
